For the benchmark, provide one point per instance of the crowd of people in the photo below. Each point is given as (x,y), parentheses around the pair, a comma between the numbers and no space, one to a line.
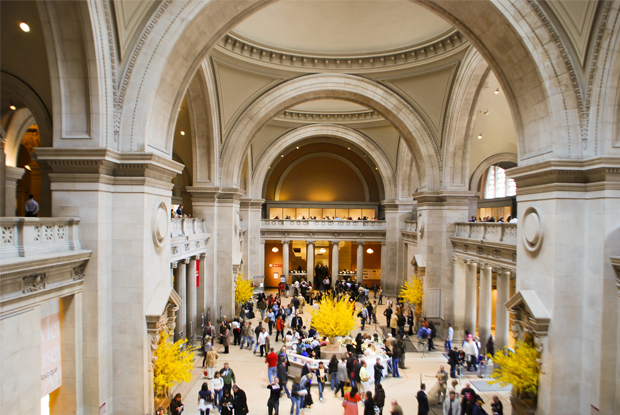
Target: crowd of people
(326,218)
(356,377)
(509,219)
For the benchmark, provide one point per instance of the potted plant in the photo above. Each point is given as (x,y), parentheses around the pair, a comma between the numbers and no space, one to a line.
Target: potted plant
(411,292)
(519,369)
(333,318)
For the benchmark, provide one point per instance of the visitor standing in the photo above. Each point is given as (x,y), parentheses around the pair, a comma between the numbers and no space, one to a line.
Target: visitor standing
(275,392)
(227,403)
(272,365)
(226,339)
(449,338)
(422,399)
(218,389)
(451,405)
(228,376)
(176,406)
(379,397)
(442,378)
(341,377)
(205,399)
(396,409)
(351,399)
(321,378)
(212,357)
(32,207)
(369,404)
(241,401)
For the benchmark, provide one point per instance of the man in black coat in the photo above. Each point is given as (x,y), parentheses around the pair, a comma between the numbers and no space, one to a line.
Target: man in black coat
(453,361)
(241,401)
(388,315)
(422,398)
(283,375)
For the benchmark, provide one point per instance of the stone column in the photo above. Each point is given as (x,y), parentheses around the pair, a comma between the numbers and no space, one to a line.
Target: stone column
(201,294)
(191,300)
(360,261)
(11,176)
(460,300)
(285,263)
(173,266)
(501,312)
(471,291)
(261,253)
(335,247)
(484,304)
(310,261)
(180,283)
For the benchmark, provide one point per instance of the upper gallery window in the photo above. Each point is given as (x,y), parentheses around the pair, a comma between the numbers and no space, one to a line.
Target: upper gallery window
(498,185)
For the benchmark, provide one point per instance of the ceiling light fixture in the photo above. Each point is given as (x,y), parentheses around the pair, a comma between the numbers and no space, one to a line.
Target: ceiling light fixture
(12,107)
(348,148)
(27,167)
(274,249)
(376,168)
(24,26)
(486,112)
(322,250)
(497,91)
(480,136)
(370,251)
(182,132)
(297,147)
(281,155)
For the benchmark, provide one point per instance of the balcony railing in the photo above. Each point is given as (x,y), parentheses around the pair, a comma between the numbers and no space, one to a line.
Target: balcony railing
(487,231)
(320,224)
(410,226)
(187,226)
(28,237)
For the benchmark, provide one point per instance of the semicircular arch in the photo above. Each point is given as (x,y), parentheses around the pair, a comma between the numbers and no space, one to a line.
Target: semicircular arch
(334,86)
(376,154)
(488,162)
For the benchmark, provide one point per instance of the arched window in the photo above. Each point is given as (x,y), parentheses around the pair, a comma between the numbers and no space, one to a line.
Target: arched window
(498,185)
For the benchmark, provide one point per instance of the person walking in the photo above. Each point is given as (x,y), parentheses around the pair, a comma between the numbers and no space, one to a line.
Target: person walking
(388,315)
(297,394)
(396,409)
(275,392)
(218,389)
(442,378)
(351,399)
(321,378)
(205,399)
(280,327)
(228,376)
(422,399)
(332,368)
(211,358)
(227,403)
(451,405)
(364,377)
(341,377)
(379,397)
(241,401)
(449,338)
(369,404)
(283,375)
(272,365)
(453,361)
(261,341)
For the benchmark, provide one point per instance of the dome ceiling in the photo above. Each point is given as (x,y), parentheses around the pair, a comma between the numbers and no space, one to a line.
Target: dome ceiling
(345,27)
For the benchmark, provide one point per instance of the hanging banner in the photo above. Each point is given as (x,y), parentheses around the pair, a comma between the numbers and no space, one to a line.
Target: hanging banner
(51,362)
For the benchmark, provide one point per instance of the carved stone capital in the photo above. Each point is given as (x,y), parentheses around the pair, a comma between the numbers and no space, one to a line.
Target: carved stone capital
(78,273)
(33,283)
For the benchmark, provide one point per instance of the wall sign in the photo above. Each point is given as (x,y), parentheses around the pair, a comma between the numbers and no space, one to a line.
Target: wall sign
(51,361)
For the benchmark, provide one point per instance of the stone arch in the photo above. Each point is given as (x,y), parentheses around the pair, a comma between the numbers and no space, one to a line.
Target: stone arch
(334,86)
(386,172)
(515,38)
(329,155)
(488,162)
(35,108)
(20,121)
(460,118)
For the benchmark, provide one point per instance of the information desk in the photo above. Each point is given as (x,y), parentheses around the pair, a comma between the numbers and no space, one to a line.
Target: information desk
(296,363)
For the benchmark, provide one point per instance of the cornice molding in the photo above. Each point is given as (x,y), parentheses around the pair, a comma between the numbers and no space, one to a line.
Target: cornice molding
(326,116)
(410,56)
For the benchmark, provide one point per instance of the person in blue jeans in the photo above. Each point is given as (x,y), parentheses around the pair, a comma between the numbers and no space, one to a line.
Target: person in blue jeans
(321,378)
(296,397)
(218,390)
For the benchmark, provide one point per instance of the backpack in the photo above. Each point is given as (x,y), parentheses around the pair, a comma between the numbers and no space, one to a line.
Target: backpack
(424,334)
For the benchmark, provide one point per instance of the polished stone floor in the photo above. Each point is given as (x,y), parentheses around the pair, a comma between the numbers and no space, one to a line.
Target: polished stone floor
(251,374)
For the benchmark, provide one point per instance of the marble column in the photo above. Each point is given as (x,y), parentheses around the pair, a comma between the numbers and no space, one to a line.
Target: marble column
(173,266)
(460,300)
(335,245)
(360,261)
(310,261)
(484,304)
(201,295)
(501,313)
(180,282)
(471,291)
(11,176)
(285,263)
(191,300)
(262,260)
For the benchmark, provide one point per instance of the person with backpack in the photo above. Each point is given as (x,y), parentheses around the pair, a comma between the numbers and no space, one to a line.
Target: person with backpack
(369,404)
(379,398)
(423,338)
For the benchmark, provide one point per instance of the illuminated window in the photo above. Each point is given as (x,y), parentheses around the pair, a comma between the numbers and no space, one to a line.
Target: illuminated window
(498,185)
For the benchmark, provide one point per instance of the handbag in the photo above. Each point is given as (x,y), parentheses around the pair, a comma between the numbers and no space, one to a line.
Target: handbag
(202,406)
(266,320)
(344,403)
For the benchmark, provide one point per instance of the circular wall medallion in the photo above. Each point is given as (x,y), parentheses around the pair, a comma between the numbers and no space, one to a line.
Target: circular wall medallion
(532,229)
(159,225)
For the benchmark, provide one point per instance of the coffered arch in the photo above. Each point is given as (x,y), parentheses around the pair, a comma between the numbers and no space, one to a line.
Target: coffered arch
(376,154)
(333,86)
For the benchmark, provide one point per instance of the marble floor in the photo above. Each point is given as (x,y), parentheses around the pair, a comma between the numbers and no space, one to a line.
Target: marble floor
(251,375)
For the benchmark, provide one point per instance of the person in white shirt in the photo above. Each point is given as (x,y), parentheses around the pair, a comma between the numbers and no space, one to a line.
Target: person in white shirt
(32,207)
(514,220)
(471,351)
(262,337)
(449,338)
(217,384)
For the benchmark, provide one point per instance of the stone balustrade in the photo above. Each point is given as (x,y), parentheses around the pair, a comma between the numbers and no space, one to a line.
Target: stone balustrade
(487,231)
(321,224)
(188,238)
(410,226)
(31,237)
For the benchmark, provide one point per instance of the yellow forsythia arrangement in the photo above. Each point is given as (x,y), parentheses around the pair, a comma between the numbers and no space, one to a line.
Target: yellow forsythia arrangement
(171,365)
(244,290)
(411,291)
(334,318)
(519,369)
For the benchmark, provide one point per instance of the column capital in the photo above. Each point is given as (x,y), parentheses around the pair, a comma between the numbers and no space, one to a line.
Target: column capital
(310,242)
(285,242)
(360,243)
(186,260)
(173,265)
